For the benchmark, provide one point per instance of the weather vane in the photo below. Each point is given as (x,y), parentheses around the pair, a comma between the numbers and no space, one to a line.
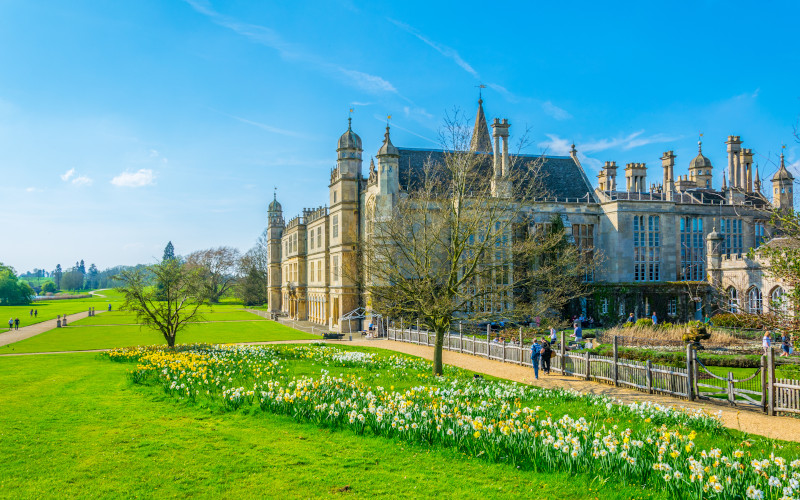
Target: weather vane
(388,117)
(480,90)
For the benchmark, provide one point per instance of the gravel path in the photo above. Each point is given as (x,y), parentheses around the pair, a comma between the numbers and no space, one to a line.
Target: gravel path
(11,336)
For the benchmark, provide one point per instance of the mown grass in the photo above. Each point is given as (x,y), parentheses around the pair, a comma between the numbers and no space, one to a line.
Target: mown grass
(207,314)
(80,338)
(50,309)
(73,425)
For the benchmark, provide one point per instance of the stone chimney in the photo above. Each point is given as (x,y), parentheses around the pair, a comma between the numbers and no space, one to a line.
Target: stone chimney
(735,174)
(500,184)
(636,177)
(608,176)
(746,160)
(668,164)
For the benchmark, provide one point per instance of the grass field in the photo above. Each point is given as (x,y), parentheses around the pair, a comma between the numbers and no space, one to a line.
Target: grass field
(73,425)
(79,338)
(213,314)
(50,309)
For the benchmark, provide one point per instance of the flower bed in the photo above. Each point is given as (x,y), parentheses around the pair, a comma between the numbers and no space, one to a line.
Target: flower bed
(481,417)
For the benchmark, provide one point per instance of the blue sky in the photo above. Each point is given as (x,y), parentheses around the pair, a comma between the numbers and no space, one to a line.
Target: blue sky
(127,124)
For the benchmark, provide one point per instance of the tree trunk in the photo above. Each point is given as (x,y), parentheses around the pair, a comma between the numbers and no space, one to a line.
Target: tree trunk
(437,353)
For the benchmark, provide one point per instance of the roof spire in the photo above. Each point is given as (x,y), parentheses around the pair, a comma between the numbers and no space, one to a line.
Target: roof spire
(724,181)
(481,140)
(700,144)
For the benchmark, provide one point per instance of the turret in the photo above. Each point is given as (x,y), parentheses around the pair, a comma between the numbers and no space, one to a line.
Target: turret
(700,169)
(275,226)
(388,169)
(481,142)
(782,193)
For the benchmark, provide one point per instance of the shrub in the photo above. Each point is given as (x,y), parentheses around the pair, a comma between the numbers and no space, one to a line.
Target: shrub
(627,325)
(738,320)
(644,322)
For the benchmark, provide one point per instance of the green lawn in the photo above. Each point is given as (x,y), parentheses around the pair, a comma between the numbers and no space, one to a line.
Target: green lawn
(73,425)
(78,338)
(213,314)
(50,309)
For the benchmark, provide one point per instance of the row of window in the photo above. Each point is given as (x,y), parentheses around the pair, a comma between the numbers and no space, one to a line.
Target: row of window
(291,244)
(755,303)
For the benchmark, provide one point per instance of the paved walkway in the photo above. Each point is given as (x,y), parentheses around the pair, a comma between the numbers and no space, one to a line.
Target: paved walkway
(11,336)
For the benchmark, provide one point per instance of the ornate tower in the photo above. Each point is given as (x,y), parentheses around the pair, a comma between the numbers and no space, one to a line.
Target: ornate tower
(782,181)
(700,169)
(343,226)
(388,166)
(275,226)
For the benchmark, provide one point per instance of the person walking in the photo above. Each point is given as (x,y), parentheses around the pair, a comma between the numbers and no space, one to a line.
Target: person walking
(16,323)
(553,336)
(536,354)
(655,320)
(109,307)
(766,342)
(630,319)
(784,344)
(577,333)
(547,352)
(35,313)
(31,313)
(10,323)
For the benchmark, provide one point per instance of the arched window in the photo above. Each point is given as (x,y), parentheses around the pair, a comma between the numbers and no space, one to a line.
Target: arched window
(733,300)
(754,304)
(777,300)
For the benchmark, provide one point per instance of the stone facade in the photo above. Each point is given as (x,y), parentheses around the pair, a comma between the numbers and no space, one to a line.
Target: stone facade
(653,239)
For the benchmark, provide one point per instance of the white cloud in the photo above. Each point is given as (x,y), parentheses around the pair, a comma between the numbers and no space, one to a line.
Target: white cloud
(365,81)
(556,145)
(289,51)
(554,111)
(143,177)
(33,190)
(82,181)
(446,51)
(68,174)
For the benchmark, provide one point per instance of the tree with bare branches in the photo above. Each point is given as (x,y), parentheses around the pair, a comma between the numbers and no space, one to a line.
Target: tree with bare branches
(452,244)
(165,296)
(217,269)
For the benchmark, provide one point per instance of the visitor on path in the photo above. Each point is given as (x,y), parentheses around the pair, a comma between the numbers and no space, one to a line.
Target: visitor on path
(785,345)
(31,312)
(16,323)
(35,313)
(10,323)
(630,319)
(109,307)
(553,335)
(655,320)
(547,351)
(536,353)
(577,332)
(766,342)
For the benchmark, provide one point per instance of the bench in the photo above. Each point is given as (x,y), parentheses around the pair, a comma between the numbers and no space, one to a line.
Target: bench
(333,336)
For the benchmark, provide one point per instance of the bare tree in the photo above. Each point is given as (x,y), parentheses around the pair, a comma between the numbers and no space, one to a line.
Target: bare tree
(168,307)
(252,286)
(217,269)
(449,245)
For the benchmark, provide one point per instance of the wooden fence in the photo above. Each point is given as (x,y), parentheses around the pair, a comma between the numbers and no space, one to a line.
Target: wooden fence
(693,381)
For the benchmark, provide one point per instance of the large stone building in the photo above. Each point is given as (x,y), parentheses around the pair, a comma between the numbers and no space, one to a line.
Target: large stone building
(660,243)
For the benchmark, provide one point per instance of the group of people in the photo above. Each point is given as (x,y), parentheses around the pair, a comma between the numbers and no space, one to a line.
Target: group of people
(632,318)
(13,323)
(786,343)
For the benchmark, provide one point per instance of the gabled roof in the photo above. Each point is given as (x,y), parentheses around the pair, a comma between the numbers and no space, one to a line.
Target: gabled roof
(561,175)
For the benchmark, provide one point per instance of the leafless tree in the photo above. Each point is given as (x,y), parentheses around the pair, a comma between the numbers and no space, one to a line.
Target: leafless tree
(449,246)
(252,286)
(171,304)
(217,269)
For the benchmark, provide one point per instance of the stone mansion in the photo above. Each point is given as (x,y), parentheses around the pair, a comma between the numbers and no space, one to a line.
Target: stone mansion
(663,245)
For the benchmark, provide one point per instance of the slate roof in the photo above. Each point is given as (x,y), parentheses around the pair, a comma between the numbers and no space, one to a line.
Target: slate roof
(562,177)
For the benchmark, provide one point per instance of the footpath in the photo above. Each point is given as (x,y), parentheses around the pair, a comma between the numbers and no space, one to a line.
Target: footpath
(11,336)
